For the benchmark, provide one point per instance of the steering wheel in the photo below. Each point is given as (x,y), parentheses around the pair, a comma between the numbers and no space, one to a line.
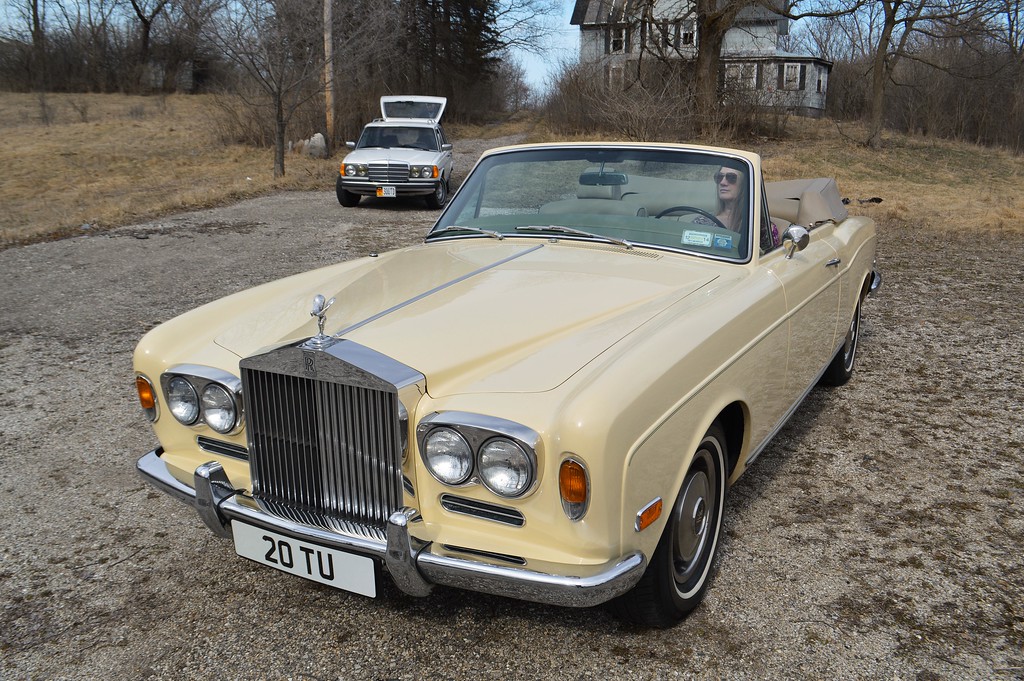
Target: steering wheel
(691,209)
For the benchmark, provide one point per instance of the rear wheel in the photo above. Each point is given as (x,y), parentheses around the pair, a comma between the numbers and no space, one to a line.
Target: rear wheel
(678,574)
(345,197)
(841,368)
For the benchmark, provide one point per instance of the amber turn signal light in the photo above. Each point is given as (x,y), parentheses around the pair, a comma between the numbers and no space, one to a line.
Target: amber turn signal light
(647,516)
(147,397)
(572,482)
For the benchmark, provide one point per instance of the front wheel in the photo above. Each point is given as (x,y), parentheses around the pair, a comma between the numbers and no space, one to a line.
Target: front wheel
(841,368)
(678,574)
(345,197)
(439,196)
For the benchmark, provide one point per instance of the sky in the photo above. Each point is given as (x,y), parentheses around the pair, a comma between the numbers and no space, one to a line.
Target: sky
(562,46)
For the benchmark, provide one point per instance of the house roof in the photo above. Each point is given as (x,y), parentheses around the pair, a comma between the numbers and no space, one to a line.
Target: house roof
(591,12)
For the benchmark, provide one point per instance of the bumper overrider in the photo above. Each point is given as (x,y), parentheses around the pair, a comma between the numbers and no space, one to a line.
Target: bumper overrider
(413,566)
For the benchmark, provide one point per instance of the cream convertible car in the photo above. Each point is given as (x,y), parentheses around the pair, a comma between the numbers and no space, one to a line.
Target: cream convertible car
(546,400)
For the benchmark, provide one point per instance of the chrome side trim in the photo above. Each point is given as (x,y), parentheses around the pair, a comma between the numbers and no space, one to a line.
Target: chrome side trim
(412,563)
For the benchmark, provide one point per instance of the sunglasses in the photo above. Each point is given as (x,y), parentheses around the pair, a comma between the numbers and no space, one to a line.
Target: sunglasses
(731,178)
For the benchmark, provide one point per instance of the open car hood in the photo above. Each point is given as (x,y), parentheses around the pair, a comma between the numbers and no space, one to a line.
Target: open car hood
(412,107)
(480,315)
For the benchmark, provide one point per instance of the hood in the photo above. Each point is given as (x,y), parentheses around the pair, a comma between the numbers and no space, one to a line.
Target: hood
(396,154)
(481,315)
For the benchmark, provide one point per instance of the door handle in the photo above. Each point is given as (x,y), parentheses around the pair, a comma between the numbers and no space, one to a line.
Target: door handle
(834,262)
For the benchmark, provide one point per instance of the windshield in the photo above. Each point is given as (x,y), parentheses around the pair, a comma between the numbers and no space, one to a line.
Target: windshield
(676,199)
(391,137)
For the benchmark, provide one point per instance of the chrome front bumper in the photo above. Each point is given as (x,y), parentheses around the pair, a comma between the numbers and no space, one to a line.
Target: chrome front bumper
(367,188)
(413,566)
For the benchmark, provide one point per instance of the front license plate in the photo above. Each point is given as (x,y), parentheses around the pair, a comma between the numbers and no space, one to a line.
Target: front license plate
(387,191)
(328,566)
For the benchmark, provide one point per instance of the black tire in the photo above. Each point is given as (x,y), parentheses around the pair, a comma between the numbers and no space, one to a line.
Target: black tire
(678,575)
(841,368)
(440,195)
(345,197)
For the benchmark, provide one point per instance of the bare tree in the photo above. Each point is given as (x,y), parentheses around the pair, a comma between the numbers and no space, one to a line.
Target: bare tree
(145,14)
(274,44)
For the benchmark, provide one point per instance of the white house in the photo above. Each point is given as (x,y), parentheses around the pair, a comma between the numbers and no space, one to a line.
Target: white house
(618,34)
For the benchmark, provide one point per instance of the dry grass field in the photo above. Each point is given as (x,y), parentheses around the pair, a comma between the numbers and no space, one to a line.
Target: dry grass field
(81,162)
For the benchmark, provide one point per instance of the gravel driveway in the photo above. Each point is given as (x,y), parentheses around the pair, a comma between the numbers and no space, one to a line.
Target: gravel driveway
(879,536)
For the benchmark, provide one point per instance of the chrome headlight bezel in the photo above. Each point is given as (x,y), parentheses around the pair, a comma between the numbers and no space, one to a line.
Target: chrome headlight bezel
(199,378)
(479,432)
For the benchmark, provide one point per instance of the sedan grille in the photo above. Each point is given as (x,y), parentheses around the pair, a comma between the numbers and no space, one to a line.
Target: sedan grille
(389,172)
(325,444)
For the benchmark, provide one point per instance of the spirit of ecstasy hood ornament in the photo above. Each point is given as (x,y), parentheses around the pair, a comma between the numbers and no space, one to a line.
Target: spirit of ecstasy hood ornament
(319,311)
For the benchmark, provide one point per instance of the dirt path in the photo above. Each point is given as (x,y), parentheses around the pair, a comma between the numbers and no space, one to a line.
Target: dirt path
(878,537)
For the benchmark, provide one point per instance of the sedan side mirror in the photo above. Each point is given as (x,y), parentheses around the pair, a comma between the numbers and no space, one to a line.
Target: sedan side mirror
(795,239)
(446,146)
(350,145)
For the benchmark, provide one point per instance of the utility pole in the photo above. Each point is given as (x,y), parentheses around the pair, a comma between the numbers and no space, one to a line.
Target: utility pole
(329,70)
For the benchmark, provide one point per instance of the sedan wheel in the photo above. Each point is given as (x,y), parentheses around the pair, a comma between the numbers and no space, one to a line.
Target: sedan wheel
(345,197)
(440,195)
(840,370)
(678,574)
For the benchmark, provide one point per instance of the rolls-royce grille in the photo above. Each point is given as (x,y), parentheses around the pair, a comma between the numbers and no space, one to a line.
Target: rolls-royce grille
(322,452)
(389,172)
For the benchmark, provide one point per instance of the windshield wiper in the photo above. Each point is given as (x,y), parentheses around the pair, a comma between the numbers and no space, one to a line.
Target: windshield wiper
(476,230)
(577,232)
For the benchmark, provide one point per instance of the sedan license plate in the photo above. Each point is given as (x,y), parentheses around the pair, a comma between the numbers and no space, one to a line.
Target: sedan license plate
(335,568)
(387,191)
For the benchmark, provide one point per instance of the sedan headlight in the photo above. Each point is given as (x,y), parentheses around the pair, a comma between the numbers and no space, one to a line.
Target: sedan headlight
(505,468)
(218,408)
(422,171)
(182,400)
(448,456)
(204,394)
(461,448)
(355,169)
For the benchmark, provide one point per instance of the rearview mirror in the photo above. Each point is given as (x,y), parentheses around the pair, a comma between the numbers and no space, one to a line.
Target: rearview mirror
(602,179)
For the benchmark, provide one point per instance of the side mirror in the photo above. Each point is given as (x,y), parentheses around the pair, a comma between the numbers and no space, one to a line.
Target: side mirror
(446,146)
(795,239)
(350,145)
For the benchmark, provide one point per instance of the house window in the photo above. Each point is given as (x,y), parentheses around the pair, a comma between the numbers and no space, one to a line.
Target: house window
(687,37)
(617,39)
(792,76)
(822,80)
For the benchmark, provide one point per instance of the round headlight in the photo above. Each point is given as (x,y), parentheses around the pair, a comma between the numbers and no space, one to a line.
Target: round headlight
(350,170)
(448,456)
(218,408)
(505,468)
(182,400)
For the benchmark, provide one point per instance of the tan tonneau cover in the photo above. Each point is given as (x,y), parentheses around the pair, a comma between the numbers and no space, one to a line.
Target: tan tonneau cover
(805,202)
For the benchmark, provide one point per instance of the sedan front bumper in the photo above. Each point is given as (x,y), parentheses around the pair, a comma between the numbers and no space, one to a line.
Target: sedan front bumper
(413,566)
(410,188)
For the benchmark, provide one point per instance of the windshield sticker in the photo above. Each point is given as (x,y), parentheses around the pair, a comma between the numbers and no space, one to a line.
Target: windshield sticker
(723,241)
(694,238)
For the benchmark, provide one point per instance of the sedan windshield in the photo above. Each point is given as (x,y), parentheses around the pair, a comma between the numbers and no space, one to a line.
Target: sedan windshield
(393,137)
(670,199)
